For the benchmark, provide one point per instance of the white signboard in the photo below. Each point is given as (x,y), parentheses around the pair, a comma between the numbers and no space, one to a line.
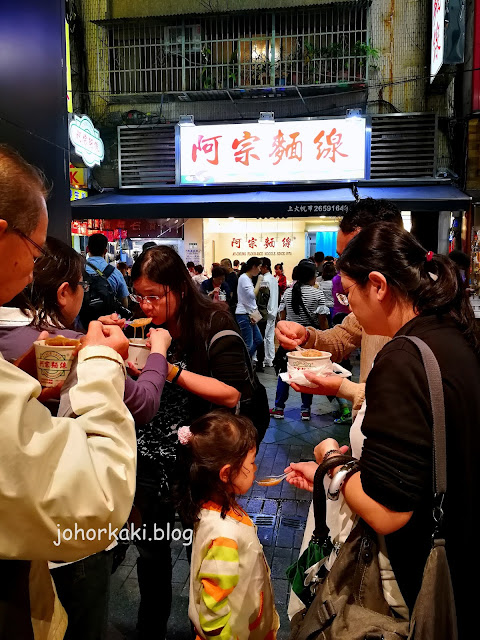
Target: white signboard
(438,37)
(293,151)
(86,140)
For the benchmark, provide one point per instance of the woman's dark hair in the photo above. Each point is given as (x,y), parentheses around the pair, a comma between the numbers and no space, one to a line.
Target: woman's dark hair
(218,438)
(163,265)
(329,258)
(304,272)
(433,287)
(267,263)
(48,275)
(279,265)
(328,271)
(21,184)
(199,268)
(249,264)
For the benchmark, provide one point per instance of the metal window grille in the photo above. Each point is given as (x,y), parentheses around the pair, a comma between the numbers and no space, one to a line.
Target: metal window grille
(302,47)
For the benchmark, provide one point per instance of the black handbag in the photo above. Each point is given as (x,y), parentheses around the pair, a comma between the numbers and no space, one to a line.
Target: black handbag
(254,400)
(349,603)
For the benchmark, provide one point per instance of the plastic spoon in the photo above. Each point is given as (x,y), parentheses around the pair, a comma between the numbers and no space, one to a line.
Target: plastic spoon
(271,481)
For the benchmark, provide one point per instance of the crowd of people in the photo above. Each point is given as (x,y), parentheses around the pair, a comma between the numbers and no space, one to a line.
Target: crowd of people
(116,445)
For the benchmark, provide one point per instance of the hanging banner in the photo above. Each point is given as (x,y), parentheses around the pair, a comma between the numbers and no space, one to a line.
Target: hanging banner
(438,37)
(269,152)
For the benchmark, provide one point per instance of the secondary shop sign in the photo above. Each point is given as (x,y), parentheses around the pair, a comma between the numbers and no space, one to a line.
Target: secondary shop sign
(287,151)
(438,37)
(86,140)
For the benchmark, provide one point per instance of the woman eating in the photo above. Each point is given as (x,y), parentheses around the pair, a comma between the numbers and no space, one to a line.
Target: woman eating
(396,288)
(200,376)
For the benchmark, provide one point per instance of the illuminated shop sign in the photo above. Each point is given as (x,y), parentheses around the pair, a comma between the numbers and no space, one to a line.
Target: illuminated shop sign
(86,140)
(438,37)
(290,151)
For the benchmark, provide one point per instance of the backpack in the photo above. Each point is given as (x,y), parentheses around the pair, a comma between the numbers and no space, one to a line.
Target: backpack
(100,299)
(263,296)
(254,401)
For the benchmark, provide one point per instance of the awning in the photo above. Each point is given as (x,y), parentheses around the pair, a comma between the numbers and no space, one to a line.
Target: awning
(256,204)
(264,204)
(422,198)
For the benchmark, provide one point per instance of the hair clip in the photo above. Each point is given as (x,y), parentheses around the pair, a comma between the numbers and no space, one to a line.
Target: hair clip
(184,435)
(429,256)
(433,276)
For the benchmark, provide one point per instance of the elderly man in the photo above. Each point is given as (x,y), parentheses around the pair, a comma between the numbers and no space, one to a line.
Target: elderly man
(58,476)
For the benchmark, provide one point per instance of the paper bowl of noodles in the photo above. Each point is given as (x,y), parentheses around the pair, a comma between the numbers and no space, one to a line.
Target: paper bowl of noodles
(309,359)
(138,351)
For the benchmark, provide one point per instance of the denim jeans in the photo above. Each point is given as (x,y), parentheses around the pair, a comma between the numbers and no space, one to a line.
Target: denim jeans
(283,389)
(250,333)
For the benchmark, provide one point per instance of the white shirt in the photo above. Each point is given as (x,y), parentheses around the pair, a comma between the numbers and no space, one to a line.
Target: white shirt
(246,295)
(199,278)
(272,283)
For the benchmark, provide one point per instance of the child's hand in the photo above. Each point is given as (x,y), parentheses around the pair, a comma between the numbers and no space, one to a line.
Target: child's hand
(159,340)
(301,474)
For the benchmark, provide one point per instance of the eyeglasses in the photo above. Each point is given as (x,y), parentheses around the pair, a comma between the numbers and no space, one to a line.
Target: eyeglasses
(150,299)
(85,285)
(44,254)
(343,297)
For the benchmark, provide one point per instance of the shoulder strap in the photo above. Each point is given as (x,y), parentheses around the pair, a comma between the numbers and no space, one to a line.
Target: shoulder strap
(230,332)
(109,269)
(435,385)
(302,304)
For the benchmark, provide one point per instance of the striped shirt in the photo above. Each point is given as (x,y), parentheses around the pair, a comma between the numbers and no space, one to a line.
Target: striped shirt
(314,301)
(231,595)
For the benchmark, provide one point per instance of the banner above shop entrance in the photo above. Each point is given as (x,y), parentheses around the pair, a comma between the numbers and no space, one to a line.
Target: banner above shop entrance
(274,152)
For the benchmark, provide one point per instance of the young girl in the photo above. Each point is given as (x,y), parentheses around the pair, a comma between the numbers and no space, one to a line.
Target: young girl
(230,591)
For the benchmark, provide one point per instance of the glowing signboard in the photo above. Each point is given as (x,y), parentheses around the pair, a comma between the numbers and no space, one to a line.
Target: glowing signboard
(290,151)
(438,37)
(86,140)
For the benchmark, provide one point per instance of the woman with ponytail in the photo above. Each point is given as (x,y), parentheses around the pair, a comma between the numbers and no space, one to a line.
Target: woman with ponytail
(396,288)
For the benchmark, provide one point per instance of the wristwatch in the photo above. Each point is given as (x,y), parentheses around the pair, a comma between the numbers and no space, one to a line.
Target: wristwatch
(174,374)
(339,478)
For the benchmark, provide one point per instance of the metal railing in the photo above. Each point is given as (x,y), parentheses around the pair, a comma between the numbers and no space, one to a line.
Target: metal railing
(323,46)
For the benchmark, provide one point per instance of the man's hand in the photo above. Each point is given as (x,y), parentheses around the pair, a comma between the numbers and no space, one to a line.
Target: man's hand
(325,385)
(113,319)
(301,474)
(108,336)
(290,334)
(329,444)
(159,341)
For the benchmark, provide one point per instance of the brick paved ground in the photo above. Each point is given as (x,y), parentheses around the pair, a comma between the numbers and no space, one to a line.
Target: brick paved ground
(280,531)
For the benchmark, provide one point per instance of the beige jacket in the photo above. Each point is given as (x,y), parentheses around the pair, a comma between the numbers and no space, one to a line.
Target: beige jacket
(340,341)
(58,473)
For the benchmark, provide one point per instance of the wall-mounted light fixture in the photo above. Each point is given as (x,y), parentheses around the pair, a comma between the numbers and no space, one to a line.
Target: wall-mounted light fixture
(186,121)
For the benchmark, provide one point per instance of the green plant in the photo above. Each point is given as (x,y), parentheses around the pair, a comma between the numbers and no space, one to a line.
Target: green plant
(365,50)
(232,69)
(206,77)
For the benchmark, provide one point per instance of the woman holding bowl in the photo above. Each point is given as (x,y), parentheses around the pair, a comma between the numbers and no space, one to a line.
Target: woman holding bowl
(396,288)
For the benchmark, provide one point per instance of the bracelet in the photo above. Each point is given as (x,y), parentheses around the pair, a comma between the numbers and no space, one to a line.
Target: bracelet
(174,373)
(177,375)
(332,452)
(338,481)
